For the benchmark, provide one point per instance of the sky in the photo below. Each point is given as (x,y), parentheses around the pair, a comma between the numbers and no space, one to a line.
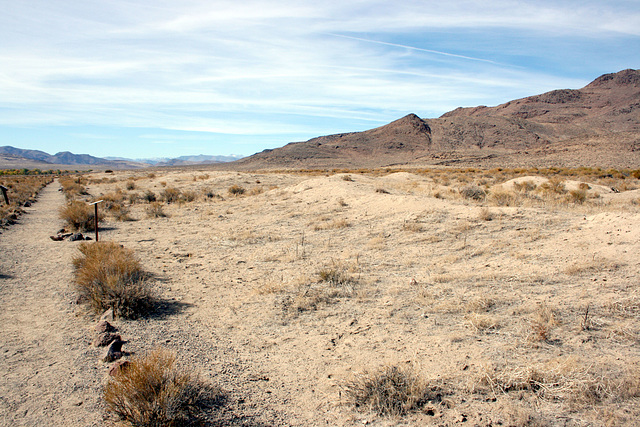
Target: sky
(165,78)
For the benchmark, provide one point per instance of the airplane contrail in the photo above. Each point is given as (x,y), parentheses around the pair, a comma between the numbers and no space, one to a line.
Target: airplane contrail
(436,52)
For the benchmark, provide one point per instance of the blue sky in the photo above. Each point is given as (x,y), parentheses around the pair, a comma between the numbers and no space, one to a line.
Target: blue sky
(157,78)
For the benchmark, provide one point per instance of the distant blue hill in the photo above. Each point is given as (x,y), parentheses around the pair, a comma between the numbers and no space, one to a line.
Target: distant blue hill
(68,158)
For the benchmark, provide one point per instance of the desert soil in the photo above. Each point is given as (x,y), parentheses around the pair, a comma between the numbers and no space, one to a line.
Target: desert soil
(486,302)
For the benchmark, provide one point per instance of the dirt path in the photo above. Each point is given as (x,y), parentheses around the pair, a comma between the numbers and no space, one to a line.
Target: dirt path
(48,372)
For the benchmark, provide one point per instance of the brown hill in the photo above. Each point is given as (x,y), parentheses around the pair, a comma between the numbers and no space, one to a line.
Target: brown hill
(598,125)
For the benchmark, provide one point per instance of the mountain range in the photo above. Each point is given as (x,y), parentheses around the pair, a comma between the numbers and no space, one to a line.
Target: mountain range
(12,157)
(598,125)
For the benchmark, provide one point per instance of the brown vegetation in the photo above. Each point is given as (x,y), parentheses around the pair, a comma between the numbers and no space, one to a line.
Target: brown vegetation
(80,216)
(152,390)
(108,275)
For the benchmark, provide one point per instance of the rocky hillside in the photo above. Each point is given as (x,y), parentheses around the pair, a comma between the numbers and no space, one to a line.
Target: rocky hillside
(598,125)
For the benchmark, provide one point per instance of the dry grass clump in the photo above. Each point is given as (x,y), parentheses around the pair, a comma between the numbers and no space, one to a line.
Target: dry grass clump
(255,191)
(79,216)
(565,378)
(543,321)
(153,391)
(331,225)
(390,390)
(108,275)
(333,282)
(155,210)
(413,226)
(473,192)
(482,322)
(485,214)
(503,198)
(236,190)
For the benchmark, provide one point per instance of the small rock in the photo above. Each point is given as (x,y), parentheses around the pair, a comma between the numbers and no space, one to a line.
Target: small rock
(107,315)
(105,338)
(27,204)
(104,326)
(118,367)
(114,352)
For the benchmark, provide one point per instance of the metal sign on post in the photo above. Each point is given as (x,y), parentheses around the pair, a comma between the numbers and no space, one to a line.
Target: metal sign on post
(95,204)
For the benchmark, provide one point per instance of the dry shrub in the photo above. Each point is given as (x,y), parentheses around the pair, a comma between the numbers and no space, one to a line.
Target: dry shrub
(149,196)
(133,198)
(171,195)
(236,190)
(113,198)
(73,187)
(155,210)
(503,198)
(577,196)
(120,212)
(79,215)
(131,185)
(347,178)
(108,275)
(473,192)
(390,390)
(210,194)
(554,185)
(153,391)
(189,196)
(524,186)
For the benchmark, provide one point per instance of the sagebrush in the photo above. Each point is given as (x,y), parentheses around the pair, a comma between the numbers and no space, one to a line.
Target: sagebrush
(153,391)
(108,275)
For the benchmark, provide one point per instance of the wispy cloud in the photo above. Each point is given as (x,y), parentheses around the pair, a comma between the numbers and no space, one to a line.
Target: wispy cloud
(294,68)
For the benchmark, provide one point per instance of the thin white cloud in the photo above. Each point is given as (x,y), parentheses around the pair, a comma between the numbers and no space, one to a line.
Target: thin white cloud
(285,65)
(436,52)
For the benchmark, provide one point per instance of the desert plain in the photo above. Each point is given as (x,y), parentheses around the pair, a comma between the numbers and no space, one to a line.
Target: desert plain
(512,295)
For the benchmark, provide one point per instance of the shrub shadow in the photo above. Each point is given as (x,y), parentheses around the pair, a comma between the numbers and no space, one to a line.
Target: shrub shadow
(221,410)
(166,308)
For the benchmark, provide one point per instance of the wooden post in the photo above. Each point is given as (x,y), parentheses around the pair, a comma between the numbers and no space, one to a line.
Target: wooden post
(95,205)
(4,193)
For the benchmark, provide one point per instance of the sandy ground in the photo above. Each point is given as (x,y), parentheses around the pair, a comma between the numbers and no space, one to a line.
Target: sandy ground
(457,288)
(48,373)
